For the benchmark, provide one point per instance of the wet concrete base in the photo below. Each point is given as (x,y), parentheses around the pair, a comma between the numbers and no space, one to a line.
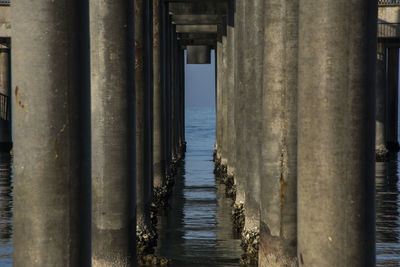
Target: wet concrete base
(250,245)
(238,217)
(382,153)
(275,251)
(222,176)
(146,240)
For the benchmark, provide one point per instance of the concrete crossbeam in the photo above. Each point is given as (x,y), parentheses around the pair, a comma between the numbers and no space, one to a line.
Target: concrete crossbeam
(198,19)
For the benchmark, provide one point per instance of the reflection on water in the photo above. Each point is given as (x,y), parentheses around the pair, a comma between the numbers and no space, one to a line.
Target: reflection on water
(196,230)
(6,209)
(387,213)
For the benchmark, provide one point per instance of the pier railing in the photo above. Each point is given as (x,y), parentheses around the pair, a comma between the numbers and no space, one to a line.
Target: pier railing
(4,2)
(389,2)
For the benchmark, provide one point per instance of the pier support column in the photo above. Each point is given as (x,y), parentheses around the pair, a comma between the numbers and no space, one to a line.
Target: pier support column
(5,99)
(51,115)
(336,133)
(224,100)
(145,232)
(230,84)
(159,99)
(112,104)
(240,122)
(278,234)
(392,99)
(218,78)
(253,76)
(381,99)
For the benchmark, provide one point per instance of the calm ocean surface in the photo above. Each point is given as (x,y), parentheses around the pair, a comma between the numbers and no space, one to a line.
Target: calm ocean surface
(197,230)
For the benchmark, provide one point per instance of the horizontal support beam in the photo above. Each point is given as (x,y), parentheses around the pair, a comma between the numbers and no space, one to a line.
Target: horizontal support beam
(209,42)
(198,8)
(198,19)
(194,36)
(196,28)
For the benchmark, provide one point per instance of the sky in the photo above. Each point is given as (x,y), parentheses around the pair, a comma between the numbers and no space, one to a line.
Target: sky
(200,84)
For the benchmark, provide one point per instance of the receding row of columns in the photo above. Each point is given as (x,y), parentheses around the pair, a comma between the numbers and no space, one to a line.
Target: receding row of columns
(295,128)
(387,82)
(98,91)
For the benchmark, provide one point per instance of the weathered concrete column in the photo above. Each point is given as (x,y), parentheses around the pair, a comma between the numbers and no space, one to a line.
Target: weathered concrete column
(278,234)
(336,133)
(113,142)
(174,95)
(182,142)
(5,99)
(240,122)
(230,76)
(168,78)
(144,135)
(159,101)
(218,78)
(164,24)
(253,77)
(224,99)
(51,77)
(381,99)
(392,99)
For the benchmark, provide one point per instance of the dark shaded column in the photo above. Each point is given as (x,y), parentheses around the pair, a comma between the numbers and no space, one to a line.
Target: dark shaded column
(113,142)
(252,72)
(51,77)
(5,99)
(278,233)
(240,122)
(173,93)
(230,76)
(144,120)
(159,98)
(182,142)
(166,36)
(392,99)
(381,100)
(336,133)
(218,78)
(224,99)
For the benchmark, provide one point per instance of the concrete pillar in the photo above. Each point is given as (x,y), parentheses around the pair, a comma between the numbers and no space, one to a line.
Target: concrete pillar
(5,99)
(336,133)
(240,122)
(392,99)
(224,100)
(219,120)
(168,78)
(144,110)
(113,142)
(253,72)
(174,95)
(51,114)
(182,142)
(164,80)
(278,234)
(381,93)
(252,83)
(159,98)
(230,76)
